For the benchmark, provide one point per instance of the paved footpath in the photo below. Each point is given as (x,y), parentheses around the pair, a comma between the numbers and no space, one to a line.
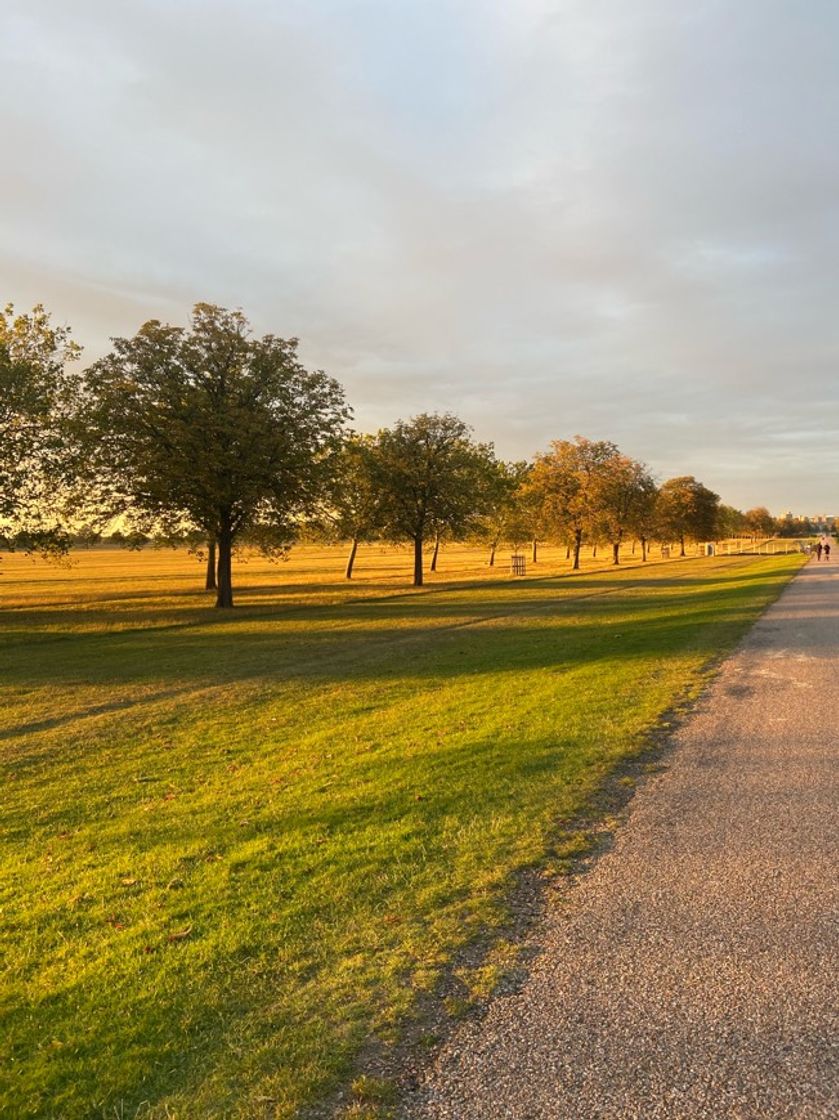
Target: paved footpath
(693,972)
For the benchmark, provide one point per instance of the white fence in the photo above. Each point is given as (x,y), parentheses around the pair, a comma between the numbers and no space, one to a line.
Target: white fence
(768,546)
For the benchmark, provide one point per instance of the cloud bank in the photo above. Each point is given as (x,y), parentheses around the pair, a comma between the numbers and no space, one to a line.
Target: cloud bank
(579,216)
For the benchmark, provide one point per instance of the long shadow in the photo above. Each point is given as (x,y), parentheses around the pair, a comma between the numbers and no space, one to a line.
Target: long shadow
(366,625)
(394,610)
(277,592)
(43,624)
(543,633)
(91,712)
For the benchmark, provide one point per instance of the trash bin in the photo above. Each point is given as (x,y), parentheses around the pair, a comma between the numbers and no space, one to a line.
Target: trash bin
(518,565)
(710,548)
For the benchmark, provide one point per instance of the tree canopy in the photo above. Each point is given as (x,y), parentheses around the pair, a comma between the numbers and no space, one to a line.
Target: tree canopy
(351,506)
(622,497)
(37,398)
(566,483)
(687,510)
(433,478)
(209,428)
(731,522)
(507,517)
(759,521)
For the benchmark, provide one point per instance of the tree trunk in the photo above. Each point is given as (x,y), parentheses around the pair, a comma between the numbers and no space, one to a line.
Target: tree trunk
(616,547)
(351,558)
(594,552)
(534,551)
(568,552)
(644,548)
(578,543)
(418,561)
(634,542)
(682,543)
(435,553)
(224,594)
(210,582)
(492,549)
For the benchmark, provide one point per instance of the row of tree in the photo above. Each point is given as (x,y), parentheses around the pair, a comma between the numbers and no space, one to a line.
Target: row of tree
(425,479)
(210,434)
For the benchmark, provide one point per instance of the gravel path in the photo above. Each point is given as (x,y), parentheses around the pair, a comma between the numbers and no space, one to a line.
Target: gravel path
(692,973)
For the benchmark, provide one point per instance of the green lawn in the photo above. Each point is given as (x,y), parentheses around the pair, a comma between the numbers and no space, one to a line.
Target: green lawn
(235,845)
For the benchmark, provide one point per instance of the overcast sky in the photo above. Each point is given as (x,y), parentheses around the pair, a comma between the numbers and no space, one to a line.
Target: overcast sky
(613,218)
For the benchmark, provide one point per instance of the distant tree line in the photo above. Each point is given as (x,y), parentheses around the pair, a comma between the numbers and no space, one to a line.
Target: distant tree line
(212,438)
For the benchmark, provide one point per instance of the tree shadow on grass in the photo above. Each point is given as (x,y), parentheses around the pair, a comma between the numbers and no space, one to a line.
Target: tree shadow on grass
(414,636)
(91,712)
(200,669)
(57,622)
(410,641)
(268,599)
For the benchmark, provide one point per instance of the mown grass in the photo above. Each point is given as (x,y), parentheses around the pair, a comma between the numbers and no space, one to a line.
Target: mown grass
(235,846)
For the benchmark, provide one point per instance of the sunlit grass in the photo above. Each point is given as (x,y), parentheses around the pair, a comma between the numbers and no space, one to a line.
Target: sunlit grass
(234,845)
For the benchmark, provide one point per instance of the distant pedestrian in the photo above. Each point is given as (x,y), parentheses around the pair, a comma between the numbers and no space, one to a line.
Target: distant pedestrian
(826,550)
(819,547)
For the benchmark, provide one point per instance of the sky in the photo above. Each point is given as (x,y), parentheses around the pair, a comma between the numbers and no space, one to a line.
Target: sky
(550,217)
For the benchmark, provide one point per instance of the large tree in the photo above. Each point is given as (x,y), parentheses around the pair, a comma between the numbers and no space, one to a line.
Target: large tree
(210,429)
(566,483)
(37,398)
(731,522)
(433,478)
(687,510)
(507,518)
(621,496)
(643,520)
(351,506)
(759,522)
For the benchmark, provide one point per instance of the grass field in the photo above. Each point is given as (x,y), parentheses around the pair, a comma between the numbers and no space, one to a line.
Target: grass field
(235,845)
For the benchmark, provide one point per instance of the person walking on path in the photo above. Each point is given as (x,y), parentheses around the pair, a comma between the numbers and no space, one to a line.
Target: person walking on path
(826,548)
(691,973)
(819,548)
